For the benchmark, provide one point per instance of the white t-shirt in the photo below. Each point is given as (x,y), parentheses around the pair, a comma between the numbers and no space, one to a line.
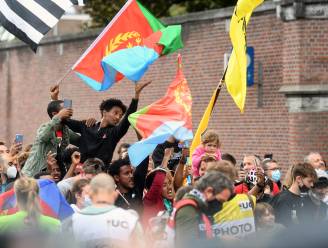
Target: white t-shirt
(66,185)
(110,227)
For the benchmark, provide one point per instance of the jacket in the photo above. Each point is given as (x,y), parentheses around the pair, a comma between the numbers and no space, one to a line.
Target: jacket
(153,201)
(197,156)
(44,142)
(189,219)
(96,142)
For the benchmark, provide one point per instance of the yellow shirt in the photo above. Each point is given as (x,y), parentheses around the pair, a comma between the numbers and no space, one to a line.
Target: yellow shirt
(236,218)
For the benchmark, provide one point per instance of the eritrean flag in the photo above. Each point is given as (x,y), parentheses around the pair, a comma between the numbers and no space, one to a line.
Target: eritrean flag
(52,202)
(127,29)
(134,62)
(169,116)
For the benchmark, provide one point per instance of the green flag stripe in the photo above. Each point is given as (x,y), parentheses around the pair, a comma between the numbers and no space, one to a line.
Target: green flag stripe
(153,21)
(133,118)
(171,39)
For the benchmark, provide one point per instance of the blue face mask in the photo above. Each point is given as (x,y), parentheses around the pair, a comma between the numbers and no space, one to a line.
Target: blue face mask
(276,175)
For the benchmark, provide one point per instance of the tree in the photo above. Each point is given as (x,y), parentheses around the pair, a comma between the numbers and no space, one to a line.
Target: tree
(199,5)
(102,11)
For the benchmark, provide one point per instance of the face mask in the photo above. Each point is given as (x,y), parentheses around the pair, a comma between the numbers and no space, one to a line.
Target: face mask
(214,206)
(87,201)
(321,173)
(315,196)
(276,175)
(325,200)
(304,189)
(11,172)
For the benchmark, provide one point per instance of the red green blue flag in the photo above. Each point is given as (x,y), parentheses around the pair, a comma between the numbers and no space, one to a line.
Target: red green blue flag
(169,116)
(132,24)
(52,202)
(134,62)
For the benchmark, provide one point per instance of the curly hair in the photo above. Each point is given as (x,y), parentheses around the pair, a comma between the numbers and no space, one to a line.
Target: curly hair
(67,154)
(108,104)
(115,166)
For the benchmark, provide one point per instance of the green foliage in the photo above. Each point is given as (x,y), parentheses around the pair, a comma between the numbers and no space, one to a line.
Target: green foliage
(102,11)
(199,5)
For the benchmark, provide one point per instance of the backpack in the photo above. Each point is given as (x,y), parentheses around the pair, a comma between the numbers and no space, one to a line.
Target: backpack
(167,231)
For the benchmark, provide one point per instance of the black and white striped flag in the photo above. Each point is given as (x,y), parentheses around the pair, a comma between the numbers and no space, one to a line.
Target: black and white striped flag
(78,2)
(30,20)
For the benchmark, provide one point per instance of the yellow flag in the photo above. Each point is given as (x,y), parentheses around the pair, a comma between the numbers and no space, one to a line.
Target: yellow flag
(236,75)
(204,122)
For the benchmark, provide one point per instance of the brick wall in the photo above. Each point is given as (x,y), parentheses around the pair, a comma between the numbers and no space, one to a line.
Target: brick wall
(290,52)
(308,132)
(305,47)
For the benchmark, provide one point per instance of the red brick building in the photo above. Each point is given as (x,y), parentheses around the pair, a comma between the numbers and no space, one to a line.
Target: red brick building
(286,110)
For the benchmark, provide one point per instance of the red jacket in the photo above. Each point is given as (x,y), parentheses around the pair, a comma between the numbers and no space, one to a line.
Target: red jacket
(243,188)
(153,201)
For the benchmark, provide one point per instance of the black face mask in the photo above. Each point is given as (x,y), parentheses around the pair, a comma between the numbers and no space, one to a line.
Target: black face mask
(304,189)
(214,206)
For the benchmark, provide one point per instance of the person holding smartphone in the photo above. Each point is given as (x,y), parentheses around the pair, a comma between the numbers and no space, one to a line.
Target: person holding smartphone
(52,136)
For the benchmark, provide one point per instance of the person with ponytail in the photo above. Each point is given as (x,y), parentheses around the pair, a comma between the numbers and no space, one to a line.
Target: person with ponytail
(29,212)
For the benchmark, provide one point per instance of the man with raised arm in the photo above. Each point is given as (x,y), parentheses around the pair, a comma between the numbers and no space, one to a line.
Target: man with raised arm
(100,140)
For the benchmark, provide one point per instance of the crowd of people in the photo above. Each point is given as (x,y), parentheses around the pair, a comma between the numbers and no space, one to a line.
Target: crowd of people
(169,200)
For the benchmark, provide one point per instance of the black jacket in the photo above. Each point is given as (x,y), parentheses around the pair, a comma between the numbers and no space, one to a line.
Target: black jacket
(96,142)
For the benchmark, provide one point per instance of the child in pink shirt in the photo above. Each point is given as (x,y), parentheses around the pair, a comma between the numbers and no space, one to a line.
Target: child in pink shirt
(210,146)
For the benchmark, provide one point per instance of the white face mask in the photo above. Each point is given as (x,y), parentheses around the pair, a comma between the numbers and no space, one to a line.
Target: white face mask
(321,173)
(11,172)
(87,201)
(325,199)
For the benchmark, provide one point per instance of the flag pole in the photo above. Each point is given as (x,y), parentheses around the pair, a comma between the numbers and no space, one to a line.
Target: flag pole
(202,127)
(219,87)
(222,82)
(63,77)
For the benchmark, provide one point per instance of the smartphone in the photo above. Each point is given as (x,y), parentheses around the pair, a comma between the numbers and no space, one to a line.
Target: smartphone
(189,180)
(19,138)
(251,177)
(67,103)
(185,144)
